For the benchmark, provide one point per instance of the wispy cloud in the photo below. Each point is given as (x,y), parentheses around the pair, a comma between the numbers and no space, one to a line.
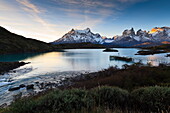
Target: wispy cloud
(134,1)
(87,3)
(29,6)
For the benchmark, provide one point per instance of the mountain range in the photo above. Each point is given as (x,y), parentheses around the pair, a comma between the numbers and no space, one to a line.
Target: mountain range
(129,38)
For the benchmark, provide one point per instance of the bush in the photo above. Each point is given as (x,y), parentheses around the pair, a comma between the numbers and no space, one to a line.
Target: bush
(111,97)
(152,98)
(149,99)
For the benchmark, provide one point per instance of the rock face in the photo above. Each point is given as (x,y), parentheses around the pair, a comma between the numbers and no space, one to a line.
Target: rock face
(80,36)
(130,32)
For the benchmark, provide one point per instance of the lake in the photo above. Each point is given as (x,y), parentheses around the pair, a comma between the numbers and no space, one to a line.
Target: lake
(55,66)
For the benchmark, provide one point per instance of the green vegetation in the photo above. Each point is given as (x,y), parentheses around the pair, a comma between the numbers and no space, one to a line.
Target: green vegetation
(86,45)
(6,66)
(12,43)
(97,100)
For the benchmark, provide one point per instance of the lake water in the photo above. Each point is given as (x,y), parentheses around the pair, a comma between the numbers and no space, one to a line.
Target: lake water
(53,66)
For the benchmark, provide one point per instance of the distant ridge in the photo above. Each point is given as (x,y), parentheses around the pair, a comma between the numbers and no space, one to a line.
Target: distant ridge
(13,43)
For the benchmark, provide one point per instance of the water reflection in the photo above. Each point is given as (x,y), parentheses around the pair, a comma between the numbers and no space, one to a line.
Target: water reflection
(18,57)
(77,60)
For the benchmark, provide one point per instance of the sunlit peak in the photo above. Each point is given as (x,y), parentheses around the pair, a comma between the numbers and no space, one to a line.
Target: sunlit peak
(157,29)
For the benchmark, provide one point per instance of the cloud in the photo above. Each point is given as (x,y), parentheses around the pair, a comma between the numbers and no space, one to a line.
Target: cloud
(29,6)
(131,1)
(87,3)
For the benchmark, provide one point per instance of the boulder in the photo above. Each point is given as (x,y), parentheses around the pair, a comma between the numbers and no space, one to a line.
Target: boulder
(30,86)
(22,85)
(13,88)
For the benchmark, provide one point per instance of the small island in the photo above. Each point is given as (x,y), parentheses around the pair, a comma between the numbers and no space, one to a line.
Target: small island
(121,58)
(150,52)
(110,50)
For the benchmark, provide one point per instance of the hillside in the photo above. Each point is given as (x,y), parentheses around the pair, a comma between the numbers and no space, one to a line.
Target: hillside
(13,43)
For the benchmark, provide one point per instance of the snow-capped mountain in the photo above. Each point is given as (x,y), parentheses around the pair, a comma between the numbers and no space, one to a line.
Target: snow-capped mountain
(79,36)
(129,38)
(157,35)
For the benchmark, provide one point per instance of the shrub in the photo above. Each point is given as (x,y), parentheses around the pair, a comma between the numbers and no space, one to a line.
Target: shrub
(152,98)
(111,97)
(149,99)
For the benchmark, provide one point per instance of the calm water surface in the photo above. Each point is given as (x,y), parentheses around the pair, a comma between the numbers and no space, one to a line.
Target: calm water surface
(45,66)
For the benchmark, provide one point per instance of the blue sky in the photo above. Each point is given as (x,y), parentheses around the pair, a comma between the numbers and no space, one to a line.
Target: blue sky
(48,20)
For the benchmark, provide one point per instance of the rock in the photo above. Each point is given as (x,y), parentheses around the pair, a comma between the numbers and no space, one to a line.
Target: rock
(3,105)
(36,82)
(13,88)
(30,86)
(130,32)
(22,85)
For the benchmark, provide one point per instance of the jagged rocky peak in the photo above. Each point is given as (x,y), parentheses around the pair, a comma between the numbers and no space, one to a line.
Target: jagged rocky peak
(140,32)
(79,36)
(130,32)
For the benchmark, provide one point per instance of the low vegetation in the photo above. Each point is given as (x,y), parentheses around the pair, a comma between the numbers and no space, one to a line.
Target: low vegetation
(96,100)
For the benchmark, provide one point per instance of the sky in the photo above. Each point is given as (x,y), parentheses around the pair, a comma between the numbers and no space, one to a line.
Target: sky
(49,20)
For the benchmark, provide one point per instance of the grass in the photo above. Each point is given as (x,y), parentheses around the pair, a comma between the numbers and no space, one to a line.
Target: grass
(103,99)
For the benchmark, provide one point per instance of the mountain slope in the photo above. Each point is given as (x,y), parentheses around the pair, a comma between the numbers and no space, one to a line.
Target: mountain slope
(13,43)
(80,36)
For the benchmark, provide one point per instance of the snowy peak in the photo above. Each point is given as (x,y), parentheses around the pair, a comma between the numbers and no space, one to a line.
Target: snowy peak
(85,31)
(79,36)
